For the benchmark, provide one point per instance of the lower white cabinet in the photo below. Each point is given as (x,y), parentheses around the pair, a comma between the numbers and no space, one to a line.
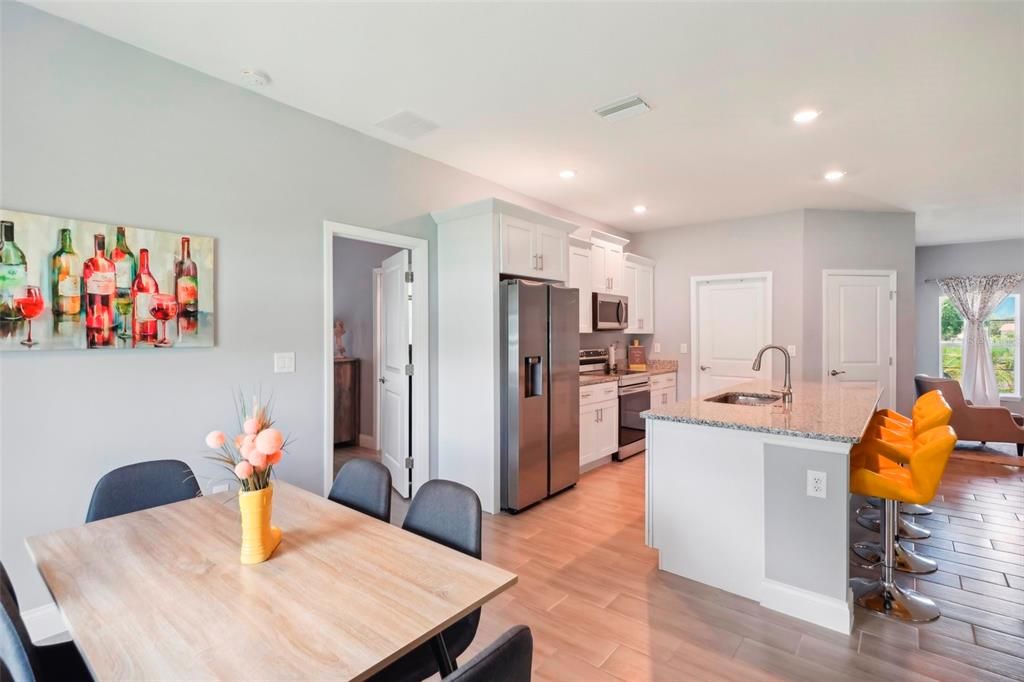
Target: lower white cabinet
(599,422)
(663,390)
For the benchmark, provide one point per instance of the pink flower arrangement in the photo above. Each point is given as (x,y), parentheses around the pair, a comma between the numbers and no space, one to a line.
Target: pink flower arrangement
(252,454)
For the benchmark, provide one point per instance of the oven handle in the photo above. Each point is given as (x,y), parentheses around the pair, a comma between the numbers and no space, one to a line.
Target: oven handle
(630,390)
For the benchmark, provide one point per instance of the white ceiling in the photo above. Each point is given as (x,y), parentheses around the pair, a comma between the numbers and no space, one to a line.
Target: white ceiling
(923,103)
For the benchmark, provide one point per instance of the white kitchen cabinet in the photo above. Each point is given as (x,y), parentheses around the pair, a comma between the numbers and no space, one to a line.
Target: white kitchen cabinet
(599,421)
(529,249)
(606,260)
(579,278)
(663,390)
(518,246)
(638,287)
(599,430)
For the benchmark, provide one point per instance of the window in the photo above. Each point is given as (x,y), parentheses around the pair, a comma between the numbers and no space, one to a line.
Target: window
(1003,330)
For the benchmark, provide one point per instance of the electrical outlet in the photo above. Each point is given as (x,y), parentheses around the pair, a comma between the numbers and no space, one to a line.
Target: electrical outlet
(657,347)
(817,484)
(792,351)
(284,363)
(683,349)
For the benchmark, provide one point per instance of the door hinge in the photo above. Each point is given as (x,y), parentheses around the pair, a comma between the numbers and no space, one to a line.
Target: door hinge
(890,361)
(892,295)
(408,462)
(408,277)
(409,369)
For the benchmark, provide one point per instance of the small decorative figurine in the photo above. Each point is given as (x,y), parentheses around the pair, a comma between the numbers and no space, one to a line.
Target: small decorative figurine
(339,333)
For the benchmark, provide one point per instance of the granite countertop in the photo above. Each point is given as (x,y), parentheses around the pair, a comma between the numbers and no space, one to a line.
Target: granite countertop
(589,379)
(819,411)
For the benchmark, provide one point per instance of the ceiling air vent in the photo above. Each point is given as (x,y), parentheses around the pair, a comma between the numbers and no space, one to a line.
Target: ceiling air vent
(407,124)
(624,108)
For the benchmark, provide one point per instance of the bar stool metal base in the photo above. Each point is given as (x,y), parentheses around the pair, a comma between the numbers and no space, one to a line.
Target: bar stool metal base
(893,600)
(867,517)
(907,560)
(905,507)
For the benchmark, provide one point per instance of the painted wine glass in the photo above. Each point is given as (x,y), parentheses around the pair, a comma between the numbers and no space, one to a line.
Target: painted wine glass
(163,307)
(29,300)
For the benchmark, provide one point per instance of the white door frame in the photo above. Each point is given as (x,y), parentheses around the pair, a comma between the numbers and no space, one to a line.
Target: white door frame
(378,274)
(420,434)
(695,280)
(893,301)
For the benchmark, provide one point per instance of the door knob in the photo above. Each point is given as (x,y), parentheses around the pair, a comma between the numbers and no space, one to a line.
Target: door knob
(705,368)
(837,372)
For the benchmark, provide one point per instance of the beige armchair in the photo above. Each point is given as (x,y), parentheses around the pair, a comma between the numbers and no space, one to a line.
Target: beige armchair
(974,422)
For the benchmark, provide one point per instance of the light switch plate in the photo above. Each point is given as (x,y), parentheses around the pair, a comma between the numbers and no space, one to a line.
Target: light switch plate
(817,484)
(657,347)
(284,363)
(683,349)
(792,350)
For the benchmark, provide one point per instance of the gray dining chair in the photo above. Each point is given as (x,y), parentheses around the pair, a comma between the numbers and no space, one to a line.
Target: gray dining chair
(141,486)
(23,661)
(449,514)
(507,659)
(364,485)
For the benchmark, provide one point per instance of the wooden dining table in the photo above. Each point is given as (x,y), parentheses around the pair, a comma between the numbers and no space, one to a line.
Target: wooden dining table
(160,594)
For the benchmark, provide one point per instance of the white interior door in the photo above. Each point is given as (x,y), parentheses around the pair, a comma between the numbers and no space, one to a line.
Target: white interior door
(859,331)
(733,322)
(395,383)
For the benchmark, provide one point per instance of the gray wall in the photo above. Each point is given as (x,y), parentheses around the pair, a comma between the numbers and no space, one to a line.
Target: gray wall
(795,247)
(354,262)
(864,241)
(96,129)
(764,243)
(980,258)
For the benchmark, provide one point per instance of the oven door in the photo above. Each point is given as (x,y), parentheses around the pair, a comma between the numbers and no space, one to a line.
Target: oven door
(610,312)
(632,401)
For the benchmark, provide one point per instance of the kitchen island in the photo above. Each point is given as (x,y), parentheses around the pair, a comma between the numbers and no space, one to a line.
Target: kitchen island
(753,498)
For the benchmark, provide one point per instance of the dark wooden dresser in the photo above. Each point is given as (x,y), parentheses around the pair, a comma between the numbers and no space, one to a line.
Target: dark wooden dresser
(346,401)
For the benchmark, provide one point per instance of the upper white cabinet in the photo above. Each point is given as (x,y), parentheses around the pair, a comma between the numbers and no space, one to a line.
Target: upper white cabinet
(638,287)
(606,262)
(579,278)
(531,249)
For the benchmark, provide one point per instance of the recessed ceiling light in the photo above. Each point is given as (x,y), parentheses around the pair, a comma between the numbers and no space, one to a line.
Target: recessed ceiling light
(806,116)
(639,209)
(567,174)
(255,78)
(834,175)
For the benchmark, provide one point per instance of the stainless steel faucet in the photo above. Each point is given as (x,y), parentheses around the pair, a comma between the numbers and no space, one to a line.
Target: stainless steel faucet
(787,386)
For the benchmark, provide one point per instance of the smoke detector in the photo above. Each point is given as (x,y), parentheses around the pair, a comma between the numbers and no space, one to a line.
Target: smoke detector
(255,78)
(407,124)
(623,108)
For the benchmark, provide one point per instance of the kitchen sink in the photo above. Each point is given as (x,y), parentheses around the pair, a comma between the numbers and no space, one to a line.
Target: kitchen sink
(753,399)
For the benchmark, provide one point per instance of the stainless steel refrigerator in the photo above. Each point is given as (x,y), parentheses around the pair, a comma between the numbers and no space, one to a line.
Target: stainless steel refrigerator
(540,397)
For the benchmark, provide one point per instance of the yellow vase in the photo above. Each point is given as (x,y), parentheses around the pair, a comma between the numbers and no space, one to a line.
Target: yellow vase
(259,538)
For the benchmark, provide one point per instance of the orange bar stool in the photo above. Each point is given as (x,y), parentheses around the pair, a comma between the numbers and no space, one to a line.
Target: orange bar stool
(914,483)
(897,431)
(877,456)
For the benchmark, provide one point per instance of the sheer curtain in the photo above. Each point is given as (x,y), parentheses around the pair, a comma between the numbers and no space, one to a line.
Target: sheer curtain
(975,298)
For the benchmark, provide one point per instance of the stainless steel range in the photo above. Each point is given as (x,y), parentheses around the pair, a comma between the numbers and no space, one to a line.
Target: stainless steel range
(634,398)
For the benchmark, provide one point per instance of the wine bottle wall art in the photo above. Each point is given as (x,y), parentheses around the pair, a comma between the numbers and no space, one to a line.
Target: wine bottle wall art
(73,284)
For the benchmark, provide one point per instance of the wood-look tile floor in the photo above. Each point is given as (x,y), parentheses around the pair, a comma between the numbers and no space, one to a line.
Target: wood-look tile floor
(600,610)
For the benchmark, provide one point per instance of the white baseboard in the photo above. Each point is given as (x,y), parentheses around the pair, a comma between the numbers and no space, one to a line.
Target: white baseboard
(367,441)
(828,612)
(44,622)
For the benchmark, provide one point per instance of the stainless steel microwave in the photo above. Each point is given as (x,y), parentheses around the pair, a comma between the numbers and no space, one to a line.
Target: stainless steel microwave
(610,312)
